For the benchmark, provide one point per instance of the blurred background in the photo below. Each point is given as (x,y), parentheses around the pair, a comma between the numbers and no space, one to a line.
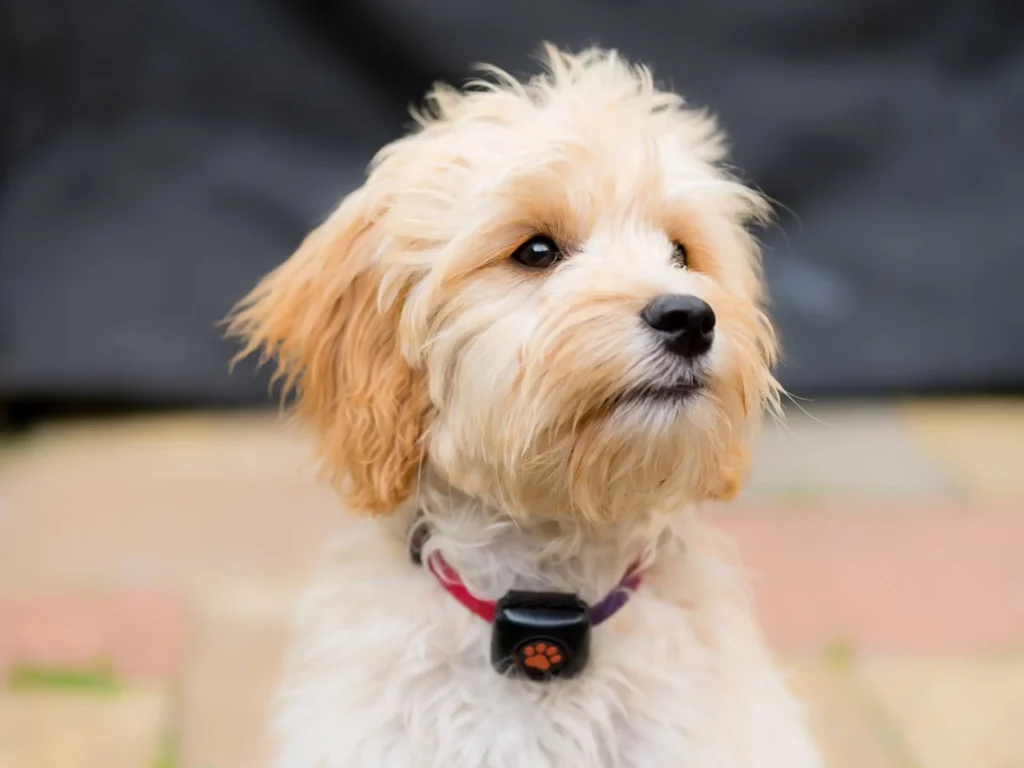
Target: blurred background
(157,519)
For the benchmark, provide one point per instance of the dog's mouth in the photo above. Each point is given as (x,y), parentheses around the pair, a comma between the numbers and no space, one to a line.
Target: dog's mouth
(677,393)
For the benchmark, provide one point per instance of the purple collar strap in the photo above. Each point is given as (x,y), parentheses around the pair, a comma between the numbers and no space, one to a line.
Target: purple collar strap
(618,597)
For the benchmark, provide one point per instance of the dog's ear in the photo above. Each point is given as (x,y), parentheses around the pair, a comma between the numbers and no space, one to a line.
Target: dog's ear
(321,318)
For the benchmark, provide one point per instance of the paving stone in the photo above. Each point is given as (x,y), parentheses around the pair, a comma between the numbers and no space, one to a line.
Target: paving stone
(229,685)
(138,635)
(53,729)
(982,442)
(190,506)
(910,579)
(954,713)
(842,727)
(858,450)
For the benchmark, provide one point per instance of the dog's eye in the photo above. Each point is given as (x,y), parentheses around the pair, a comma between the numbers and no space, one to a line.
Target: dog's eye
(679,255)
(538,253)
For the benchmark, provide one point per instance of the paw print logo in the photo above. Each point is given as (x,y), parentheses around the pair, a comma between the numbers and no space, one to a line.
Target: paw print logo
(541,656)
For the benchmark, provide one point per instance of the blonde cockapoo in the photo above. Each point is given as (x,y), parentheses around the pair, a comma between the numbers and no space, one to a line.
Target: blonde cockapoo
(528,346)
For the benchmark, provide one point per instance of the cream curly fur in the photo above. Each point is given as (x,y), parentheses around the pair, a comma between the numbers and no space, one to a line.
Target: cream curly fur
(443,379)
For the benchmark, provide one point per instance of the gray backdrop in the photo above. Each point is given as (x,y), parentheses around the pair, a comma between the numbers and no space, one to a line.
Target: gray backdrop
(157,156)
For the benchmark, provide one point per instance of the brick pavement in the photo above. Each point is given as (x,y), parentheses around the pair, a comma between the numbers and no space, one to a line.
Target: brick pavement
(885,543)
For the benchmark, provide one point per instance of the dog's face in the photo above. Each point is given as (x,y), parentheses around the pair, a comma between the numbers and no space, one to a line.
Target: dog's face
(547,293)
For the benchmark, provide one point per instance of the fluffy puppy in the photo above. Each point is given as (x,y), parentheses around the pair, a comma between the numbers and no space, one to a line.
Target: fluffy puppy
(535,332)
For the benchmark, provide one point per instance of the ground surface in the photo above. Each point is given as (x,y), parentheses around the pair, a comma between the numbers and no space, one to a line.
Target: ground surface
(147,568)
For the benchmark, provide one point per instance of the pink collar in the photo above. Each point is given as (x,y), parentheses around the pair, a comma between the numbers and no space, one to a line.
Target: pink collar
(485,609)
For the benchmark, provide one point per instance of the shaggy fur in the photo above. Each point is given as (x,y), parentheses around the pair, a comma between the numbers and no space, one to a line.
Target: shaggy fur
(508,407)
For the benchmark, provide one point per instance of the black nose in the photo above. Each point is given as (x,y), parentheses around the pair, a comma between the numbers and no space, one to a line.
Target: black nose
(686,323)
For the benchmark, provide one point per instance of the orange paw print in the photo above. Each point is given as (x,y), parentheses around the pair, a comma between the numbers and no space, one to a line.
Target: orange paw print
(541,656)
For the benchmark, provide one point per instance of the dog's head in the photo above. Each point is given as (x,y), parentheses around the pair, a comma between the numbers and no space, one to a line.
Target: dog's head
(547,293)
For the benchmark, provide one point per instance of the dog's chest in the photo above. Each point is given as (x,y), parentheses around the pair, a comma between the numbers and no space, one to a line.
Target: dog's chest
(408,682)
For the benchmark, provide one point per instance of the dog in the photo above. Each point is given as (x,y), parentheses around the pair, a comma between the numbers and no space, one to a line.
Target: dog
(529,346)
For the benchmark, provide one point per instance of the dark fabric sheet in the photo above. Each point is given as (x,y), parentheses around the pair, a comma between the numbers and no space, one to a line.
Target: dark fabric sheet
(156,157)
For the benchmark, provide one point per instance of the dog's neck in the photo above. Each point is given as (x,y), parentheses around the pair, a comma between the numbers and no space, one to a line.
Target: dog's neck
(493,553)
